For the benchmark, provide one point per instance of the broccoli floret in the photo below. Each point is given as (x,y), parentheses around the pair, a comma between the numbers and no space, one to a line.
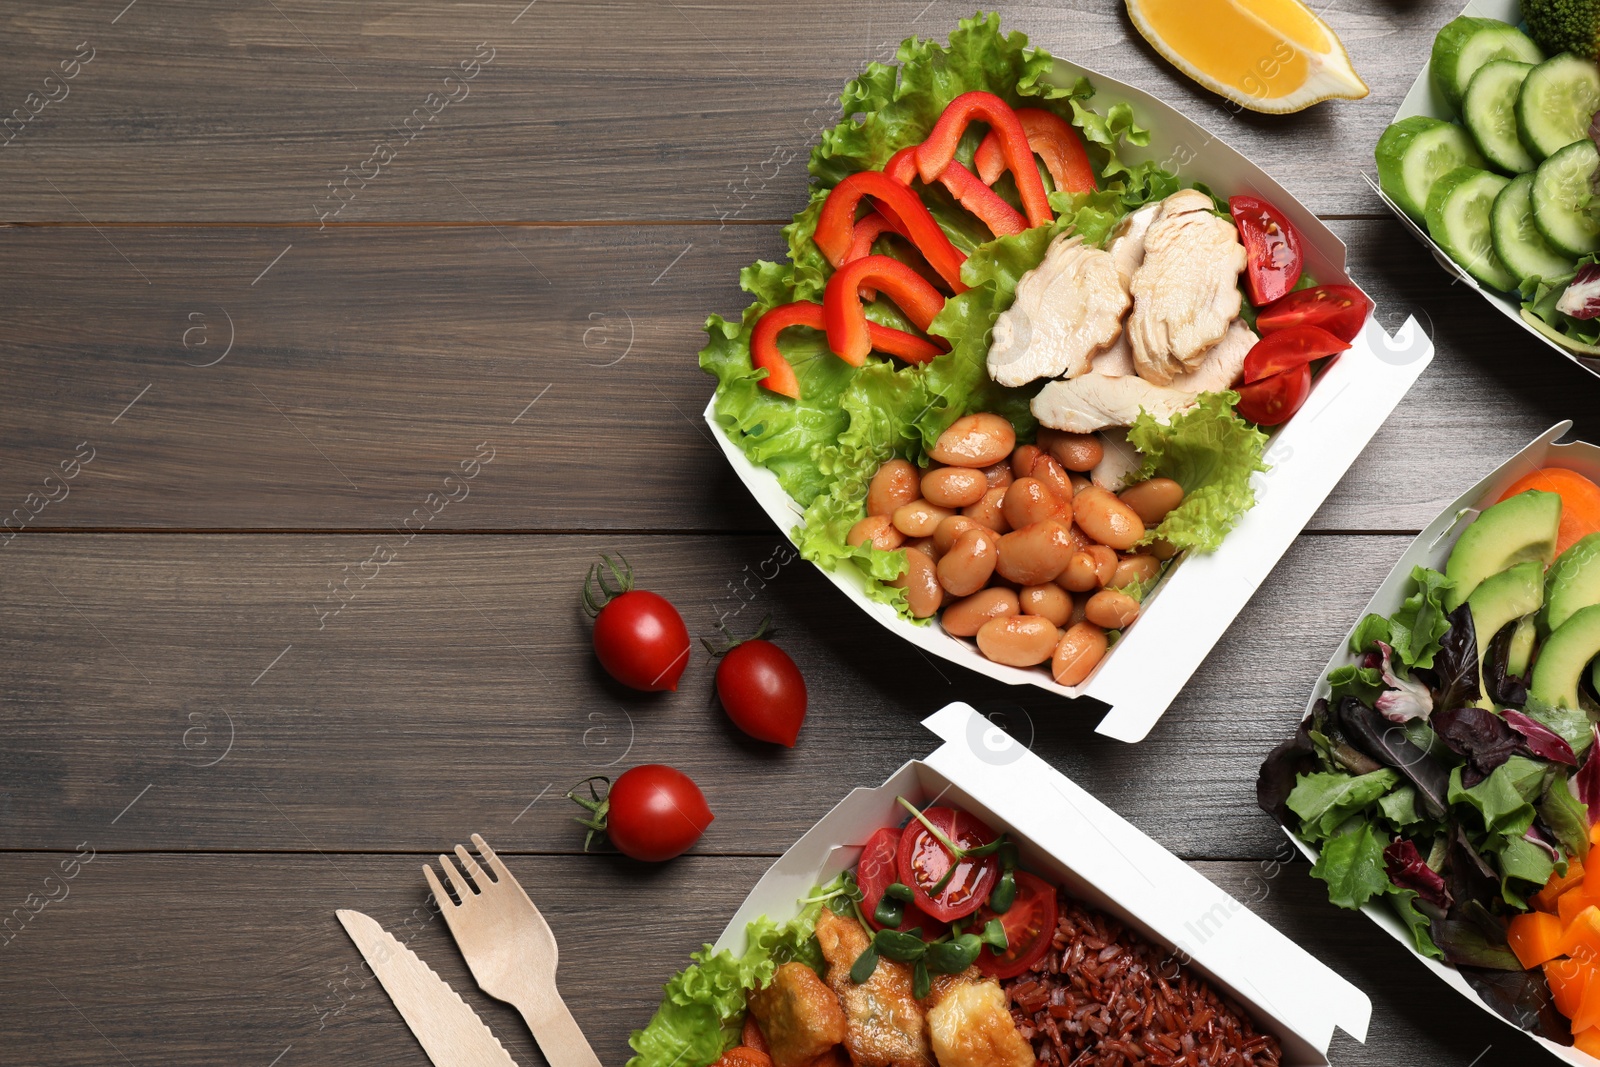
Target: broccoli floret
(1564,25)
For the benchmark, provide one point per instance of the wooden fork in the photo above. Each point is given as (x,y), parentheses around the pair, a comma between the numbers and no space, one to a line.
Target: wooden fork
(510,949)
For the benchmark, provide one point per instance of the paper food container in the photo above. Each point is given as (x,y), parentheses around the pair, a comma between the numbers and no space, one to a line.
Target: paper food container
(1197,599)
(1072,839)
(1431,549)
(1424,100)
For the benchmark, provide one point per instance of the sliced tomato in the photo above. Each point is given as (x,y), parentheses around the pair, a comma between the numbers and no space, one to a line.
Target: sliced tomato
(1339,309)
(878,868)
(924,863)
(1030,925)
(1273,400)
(1271,246)
(1289,348)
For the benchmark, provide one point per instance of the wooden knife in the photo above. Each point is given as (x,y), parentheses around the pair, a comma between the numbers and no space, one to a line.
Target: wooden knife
(450,1032)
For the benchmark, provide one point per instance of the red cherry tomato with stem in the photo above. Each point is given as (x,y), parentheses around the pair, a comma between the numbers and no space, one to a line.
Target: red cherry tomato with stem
(1030,926)
(1339,309)
(937,860)
(1273,400)
(1271,246)
(652,812)
(639,636)
(1286,349)
(761,689)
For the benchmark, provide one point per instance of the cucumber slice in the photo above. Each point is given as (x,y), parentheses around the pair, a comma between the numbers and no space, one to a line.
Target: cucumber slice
(1490,112)
(1458,222)
(1467,43)
(1414,153)
(1559,192)
(1517,241)
(1558,99)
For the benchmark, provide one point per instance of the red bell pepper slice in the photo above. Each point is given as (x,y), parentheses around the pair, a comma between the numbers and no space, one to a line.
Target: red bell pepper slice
(849,332)
(1271,246)
(781,378)
(906,213)
(1001,218)
(935,153)
(1339,309)
(1286,349)
(1275,398)
(869,228)
(1053,140)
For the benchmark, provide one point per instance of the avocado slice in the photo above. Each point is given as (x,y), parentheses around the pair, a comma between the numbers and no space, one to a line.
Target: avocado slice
(1502,599)
(1564,657)
(1573,582)
(1521,652)
(1519,528)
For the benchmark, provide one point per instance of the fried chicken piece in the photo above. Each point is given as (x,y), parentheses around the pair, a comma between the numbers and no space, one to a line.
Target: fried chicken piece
(1186,289)
(799,1016)
(971,1026)
(884,1022)
(1068,306)
(834,1057)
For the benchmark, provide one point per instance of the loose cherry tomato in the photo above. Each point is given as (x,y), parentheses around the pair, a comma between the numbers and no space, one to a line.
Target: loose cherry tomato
(761,689)
(878,868)
(1286,349)
(1271,245)
(1339,309)
(1273,400)
(651,812)
(639,636)
(1030,925)
(924,863)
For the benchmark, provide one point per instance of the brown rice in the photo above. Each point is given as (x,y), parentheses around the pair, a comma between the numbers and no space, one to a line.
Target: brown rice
(1105,997)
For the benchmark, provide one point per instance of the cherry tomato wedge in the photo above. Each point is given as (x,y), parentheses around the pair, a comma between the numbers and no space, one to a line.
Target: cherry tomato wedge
(1339,309)
(877,869)
(1273,400)
(924,863)
(1271,245)
(1030,925)
(1289,348)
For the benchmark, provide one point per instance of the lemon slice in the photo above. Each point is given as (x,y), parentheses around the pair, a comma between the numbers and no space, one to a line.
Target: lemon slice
(1266,55)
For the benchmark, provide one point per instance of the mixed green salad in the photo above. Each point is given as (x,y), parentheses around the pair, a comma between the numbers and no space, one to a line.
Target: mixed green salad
(825,444)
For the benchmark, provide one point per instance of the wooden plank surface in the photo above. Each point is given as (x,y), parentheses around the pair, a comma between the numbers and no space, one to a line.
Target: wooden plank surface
(241,960)
(624,110)
(367,364)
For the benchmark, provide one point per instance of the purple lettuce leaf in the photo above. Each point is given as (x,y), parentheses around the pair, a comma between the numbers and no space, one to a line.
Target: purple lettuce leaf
(1505,688)
(1482,737)
(1385,742)
(1408,870)
(1588,779)
(1283,767)
(1523,998)
(1405,699)
(1456,663)
(1539,740)
(1582,297)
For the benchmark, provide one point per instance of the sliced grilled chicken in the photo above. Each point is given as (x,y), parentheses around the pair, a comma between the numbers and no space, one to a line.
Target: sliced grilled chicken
(1186,289)
(1095,401)
(1223,361)
(1067,307)
(1127,241)
(1114,360)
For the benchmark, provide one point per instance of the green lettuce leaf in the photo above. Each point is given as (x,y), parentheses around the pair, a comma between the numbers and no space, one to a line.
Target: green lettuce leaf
(1504,800)
(1352,866)
(1422,620)
(1400,806)
(1363,683)
(1325,800)
(1404,902)
(1211,452)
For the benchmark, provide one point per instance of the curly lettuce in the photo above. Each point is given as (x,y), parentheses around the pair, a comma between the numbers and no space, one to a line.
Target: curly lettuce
(1211,452)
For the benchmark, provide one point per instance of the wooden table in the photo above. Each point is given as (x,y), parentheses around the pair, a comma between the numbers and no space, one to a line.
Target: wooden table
(273,376)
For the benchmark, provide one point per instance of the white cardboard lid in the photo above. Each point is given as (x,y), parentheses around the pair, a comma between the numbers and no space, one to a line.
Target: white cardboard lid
(1430,549)
(1201,595)
(1072,838)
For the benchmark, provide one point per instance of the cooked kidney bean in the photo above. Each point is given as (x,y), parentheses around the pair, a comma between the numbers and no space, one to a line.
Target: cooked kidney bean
(1034,554)
(988,511)
(1047,601)
(1088,568)
(965,617)
(950,529)
(1022,460)
(1160,549)
(924,545)
(999,475)
(921,583)
(1078,653)
(1079,482)
(895,485)
(877,529)
(1018,640)
(1048,471)
(1107,519)
(1137,568)
(920,518)
(966,568)
(1029,500)
(1151,500)
(954,487)
(1074,451)
(1111,609)
(975,441)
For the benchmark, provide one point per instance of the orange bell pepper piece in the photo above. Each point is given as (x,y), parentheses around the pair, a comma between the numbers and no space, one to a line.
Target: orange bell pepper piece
(1536,937)
(1545,899)
(849,332)
(1588,1013)
(1582,939)
(1588,1041)
(1053,140)
(1570,903)
(1567,979)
